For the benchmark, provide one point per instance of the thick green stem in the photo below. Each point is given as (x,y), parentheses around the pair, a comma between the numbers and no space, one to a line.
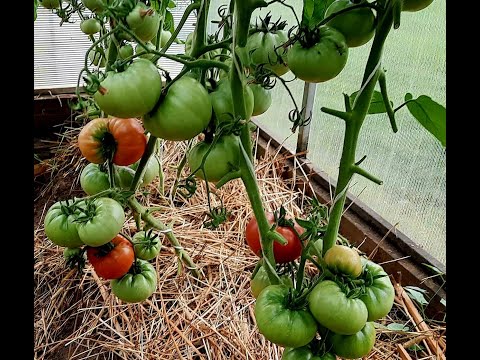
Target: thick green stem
(353,125)
(267,236)
(182,22)
(200,34)
(157,224)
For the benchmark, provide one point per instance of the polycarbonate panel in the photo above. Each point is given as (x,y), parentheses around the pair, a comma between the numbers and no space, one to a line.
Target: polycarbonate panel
(411,162)
(59,51)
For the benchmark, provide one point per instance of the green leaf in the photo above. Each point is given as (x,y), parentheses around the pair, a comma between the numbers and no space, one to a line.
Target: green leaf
(430,114)
(433,268)
(416,347)
(314,12)
(171,4)
(397,327)
(169,23)
(416,294)
(379,326)
(35,6)
(377,105)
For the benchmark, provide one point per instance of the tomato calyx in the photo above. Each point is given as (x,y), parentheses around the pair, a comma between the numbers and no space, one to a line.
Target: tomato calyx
(267,25)
(75,258)
(109,144)
(149,240)
(104,250)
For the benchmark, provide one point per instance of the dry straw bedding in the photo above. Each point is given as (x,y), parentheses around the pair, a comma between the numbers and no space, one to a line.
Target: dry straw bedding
(77,317)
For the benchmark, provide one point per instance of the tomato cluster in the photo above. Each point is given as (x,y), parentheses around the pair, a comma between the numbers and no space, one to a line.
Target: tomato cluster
(334,307)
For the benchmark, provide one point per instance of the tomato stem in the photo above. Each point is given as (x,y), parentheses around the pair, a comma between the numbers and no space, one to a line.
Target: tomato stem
(352,127)
(156,223)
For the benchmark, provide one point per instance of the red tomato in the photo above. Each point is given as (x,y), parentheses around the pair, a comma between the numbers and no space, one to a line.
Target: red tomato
(124,138)
(283,253)
(112,260)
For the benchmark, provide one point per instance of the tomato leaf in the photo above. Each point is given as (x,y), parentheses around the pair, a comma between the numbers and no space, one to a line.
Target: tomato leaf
(397,327)
(171,4)
(314,12)
(169,23)
(377,105)
(430,114)
(416,294)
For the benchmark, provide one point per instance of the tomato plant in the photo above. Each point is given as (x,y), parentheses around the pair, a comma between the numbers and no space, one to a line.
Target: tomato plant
(122,140)
(344,260)
(130,93)
(283,253)
(221,157)
(183,113)
(144,21)
(260,281)
(222,101)
(125,51)
(415,5)
(112,260)
(333,309)
(321,61)
(146,245)
(90,26)
(97,58)
(137,284)
(60,225)
(101,221)
(50,4)
(379,292)
(305,353)
(263,46)
(262,99)
(357,26)
(353,346)
(95,5)
(279,322)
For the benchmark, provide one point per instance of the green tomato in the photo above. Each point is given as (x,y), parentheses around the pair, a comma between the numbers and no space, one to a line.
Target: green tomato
(165,35)
(358,25)
(60,226)
(260,281)
(353,346)
(321,62)
(332,309)
(262,99)
(415,5)
(141,50)
(131,93)
(344,260)
(146,245)
(90,26)
(222,101)
(50,4)
(95,5)
(151,170)
(261,47)
(125,51)
(379,294)
(94,179)
(183,113)
(136,285)
(280,324)
(305,353)
(144,21)
(222,158)
(96,58)
(103,221)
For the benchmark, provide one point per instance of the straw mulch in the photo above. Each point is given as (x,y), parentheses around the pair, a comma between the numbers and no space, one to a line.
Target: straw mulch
(77,317)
